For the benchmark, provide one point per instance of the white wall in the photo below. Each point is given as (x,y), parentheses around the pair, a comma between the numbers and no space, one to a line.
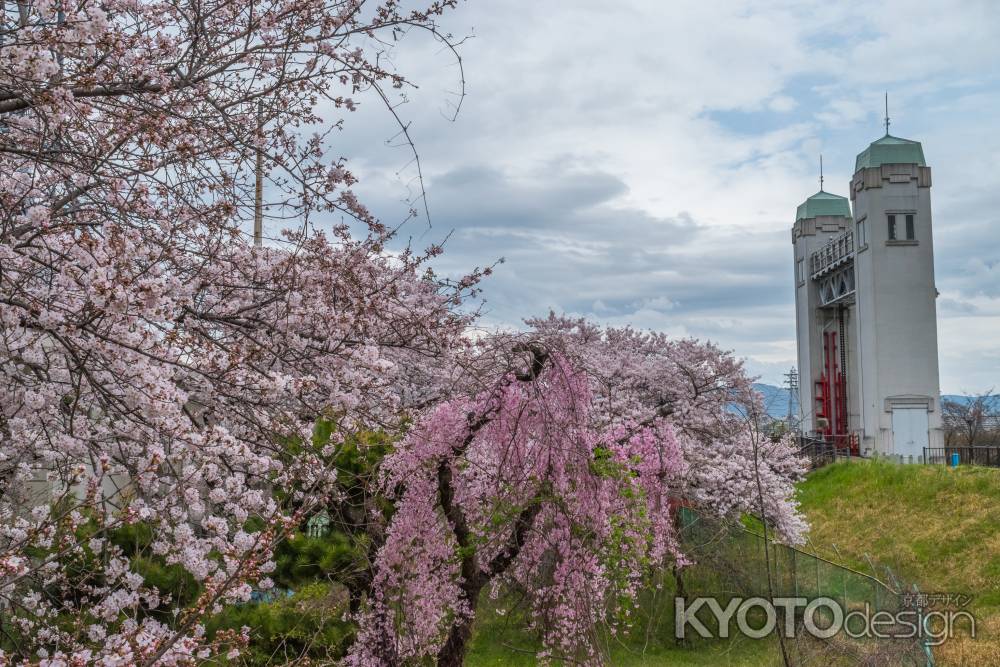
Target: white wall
(897,318)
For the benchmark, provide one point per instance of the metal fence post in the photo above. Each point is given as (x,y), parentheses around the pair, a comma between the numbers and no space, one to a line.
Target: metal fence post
(795,575)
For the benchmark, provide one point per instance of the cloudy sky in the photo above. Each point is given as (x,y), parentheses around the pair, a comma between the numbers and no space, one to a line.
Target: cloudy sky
(640,161)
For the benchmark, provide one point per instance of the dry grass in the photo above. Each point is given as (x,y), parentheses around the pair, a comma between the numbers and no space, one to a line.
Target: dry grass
(934,526)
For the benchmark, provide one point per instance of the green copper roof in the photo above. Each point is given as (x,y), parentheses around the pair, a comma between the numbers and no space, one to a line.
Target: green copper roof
(890,150)
(824,203)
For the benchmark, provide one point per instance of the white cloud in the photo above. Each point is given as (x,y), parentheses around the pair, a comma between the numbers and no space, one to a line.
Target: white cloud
(782,103)
(641,161)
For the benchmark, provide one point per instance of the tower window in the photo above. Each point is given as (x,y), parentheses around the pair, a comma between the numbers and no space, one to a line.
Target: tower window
(862,233)
(892,228)
(801,265)
(910,232)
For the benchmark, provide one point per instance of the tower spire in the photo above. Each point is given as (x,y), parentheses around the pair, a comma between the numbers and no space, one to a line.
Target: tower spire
(887,113)
(821,172)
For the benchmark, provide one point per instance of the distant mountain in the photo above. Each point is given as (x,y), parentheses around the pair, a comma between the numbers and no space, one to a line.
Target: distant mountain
(994,400)
(776,399)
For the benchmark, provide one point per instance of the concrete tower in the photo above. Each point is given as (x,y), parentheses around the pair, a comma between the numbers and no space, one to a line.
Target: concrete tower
(865,307)
(824,292)
(896,298)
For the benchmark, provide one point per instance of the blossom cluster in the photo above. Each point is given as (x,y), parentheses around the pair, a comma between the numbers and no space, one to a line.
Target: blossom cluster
(159,375)
(161,378)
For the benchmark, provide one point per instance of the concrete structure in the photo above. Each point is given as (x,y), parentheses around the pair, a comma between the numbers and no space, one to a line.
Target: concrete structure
(865,307)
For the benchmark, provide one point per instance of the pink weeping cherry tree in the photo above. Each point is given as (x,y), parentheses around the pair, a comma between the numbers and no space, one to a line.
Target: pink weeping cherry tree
(156,370)
(556,475)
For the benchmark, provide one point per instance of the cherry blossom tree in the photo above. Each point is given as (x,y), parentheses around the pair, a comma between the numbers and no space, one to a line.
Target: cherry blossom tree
(706,396)
(558,478)
(156,370)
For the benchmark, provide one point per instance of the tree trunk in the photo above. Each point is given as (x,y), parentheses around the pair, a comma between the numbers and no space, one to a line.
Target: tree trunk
(452,654)
(681,592)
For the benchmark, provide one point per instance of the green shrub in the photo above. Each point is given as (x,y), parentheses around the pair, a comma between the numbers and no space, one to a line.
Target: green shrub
(308,626)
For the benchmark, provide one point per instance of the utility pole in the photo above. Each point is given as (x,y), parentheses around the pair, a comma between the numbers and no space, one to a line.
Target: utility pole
(258,201)
(792,383)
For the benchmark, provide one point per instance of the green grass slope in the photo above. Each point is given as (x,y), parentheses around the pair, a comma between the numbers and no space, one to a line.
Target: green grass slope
(934,526)
(498,643)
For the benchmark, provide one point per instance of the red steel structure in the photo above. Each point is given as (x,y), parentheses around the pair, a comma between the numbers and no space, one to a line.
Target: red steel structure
(831,397)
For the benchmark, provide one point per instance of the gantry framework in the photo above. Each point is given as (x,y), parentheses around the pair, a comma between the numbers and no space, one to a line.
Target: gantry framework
(832,267)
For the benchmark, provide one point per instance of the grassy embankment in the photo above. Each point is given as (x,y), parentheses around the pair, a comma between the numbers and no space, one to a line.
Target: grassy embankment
(934,526)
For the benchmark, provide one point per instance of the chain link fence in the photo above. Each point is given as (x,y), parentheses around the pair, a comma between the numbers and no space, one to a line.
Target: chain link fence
(732,560)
